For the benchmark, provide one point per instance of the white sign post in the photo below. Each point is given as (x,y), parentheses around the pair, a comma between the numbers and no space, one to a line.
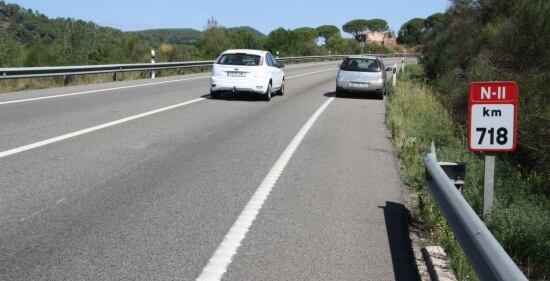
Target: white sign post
(492,127)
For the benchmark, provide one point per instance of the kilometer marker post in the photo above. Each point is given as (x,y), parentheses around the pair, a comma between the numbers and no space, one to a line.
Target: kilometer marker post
(492,127)
(489,185)
(153,56)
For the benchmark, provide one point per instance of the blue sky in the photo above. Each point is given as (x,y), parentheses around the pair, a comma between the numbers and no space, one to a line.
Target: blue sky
(262,15)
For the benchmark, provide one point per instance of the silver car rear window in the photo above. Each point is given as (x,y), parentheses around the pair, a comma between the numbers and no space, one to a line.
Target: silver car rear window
(360,65)
(239,59)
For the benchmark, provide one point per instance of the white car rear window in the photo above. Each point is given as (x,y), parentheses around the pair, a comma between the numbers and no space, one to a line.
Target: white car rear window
(239,59)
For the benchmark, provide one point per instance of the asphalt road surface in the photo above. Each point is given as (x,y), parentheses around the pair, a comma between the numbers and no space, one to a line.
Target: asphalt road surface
(153,180)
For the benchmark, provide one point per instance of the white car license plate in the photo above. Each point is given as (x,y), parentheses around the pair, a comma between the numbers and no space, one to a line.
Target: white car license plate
(236,74)
(359,85)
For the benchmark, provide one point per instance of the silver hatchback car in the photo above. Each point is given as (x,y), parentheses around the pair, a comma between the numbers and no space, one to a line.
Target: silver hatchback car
(361,74)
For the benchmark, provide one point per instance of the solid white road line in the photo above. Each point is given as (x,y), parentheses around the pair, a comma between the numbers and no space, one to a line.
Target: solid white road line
(91,129)
(113,123)
(219,262)
(101,90)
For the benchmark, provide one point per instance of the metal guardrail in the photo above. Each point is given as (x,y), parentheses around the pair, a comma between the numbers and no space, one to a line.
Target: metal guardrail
(485,254)
(33,72)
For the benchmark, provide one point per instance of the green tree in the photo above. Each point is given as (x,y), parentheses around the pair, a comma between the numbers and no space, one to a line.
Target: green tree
(356,26)
(10,50)
(40,54)
(411,32)
(77,43)
(305,33)
(132,51)
(213,42)
(377,25)
(328,31)
(305,41)
(435,22)
(244,39)
(280,40)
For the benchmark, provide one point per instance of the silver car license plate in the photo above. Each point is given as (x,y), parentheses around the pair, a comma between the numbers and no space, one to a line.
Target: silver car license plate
(359,85)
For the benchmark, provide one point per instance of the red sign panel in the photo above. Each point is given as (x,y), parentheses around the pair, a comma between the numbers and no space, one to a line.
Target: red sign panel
(492,116)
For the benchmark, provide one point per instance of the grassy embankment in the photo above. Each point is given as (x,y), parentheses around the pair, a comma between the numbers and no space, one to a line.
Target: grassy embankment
(521,218)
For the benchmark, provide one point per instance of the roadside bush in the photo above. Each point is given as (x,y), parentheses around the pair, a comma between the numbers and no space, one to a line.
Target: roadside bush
(497,40)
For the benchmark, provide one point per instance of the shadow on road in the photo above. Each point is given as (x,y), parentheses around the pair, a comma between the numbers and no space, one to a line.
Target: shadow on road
(354,95)
(241,97)
(397,219)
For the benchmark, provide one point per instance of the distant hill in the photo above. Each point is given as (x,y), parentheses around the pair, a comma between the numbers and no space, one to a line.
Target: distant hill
(27,26)
(250,29)
(179,36)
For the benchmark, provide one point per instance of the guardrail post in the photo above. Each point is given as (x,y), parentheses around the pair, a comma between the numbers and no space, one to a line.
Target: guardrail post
(114,76)
(65,80)
(456,171)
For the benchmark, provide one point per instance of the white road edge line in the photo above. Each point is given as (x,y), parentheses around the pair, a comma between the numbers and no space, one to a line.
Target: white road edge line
(95,128)
(110,124)
(101,90)
(219,262)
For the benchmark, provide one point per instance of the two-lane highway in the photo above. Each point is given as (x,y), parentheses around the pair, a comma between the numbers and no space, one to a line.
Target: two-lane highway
(152,180)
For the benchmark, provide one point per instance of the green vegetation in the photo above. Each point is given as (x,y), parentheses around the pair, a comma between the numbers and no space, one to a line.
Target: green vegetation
(521,219)
(476,41)
(411,32)
(248,29)
(510,43)
(418,30)
(32,39)
(174,36)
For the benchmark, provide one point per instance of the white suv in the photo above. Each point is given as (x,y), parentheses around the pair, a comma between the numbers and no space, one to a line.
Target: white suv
(247,71)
